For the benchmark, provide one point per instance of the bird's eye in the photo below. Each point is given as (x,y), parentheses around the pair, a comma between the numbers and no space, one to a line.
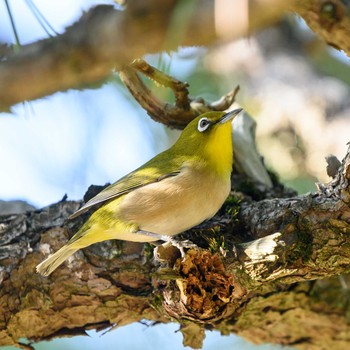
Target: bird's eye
(203,124)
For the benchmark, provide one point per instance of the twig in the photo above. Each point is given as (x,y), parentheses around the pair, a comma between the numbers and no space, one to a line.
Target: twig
(176,115)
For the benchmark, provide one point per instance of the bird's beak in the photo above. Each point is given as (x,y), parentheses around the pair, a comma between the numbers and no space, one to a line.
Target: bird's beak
(229,116)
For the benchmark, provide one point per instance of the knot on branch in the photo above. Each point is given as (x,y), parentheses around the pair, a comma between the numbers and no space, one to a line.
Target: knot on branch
(205,290)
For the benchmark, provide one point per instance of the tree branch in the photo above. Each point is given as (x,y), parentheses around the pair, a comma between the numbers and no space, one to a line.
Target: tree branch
(104,39)
(244,276)
(329,19)
(185,108)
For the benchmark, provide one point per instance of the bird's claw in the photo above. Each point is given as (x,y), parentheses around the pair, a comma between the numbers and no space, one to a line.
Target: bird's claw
(180,245)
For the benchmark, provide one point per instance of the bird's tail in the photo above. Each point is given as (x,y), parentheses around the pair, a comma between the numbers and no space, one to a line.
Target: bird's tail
(52,262)
(86,236)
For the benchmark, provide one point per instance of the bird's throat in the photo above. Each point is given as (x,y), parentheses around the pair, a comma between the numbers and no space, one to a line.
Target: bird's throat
(219,150)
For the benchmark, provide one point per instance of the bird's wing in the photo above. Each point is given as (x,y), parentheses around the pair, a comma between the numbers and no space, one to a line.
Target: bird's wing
(143,176)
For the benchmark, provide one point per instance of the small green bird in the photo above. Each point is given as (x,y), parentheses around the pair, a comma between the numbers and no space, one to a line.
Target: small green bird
(174,191)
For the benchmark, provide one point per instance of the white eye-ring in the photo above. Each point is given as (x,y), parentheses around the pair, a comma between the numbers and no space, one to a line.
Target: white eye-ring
(203,124)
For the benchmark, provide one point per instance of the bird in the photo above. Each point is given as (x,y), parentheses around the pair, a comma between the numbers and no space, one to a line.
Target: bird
(171,193)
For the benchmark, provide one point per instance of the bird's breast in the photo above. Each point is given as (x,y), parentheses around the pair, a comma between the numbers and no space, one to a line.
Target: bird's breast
(177,203)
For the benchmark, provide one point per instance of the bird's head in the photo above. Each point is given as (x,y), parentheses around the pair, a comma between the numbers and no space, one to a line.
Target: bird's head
(208,138)
(208,129)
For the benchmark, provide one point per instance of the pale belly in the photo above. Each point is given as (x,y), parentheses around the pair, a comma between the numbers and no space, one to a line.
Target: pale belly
(174,204)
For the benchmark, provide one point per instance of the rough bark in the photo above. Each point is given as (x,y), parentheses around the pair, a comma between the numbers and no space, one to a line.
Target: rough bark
(105,39)
(264,270)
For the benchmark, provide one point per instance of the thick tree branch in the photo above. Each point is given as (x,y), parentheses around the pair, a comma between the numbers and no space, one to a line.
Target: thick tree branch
(105,39)
(242,279)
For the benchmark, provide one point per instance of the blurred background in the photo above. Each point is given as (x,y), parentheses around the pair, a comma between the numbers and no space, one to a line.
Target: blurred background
(292,84)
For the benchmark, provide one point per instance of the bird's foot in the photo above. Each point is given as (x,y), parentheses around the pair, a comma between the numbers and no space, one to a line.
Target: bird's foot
(180,245)
(169,241)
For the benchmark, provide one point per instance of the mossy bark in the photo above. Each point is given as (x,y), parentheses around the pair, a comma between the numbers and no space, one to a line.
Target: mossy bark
(263,269)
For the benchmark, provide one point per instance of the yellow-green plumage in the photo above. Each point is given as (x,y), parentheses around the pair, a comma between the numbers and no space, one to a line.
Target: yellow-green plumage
(174,191)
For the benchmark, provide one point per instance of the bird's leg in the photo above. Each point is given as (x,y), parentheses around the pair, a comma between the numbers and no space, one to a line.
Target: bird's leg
(156,236)
(169,240)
